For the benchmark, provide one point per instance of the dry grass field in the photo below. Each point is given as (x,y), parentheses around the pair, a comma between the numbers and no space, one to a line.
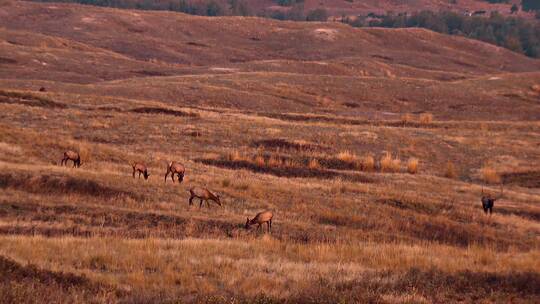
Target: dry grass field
(372,148)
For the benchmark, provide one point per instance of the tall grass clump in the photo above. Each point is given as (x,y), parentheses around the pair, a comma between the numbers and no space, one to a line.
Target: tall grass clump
(314,164)
(390,164)
(368,163)
(412,165)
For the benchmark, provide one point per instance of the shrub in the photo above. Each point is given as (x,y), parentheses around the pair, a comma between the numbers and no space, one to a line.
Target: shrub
(412,165)
(450,171)
(489,175)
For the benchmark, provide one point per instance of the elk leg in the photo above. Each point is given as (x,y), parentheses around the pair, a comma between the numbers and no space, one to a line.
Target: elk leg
(74,164)
(133,172)
(166,174)
(172,177)
(191,200)
(200,204)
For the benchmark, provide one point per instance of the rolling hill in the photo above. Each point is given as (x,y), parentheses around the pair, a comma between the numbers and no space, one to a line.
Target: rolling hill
(234,60)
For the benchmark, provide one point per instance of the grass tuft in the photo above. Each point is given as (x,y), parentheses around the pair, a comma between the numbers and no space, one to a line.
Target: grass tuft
(390,164)
(412,165)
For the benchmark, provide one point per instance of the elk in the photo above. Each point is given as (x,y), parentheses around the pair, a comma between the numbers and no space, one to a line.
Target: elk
(141,168)
(261,218)
(73,156)
(488,201)
(204,195)
(175,168)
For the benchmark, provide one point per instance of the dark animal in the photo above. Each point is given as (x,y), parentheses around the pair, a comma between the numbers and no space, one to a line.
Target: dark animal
(488,201)
(73,156)
(261,218)
(204,195)
(42,89)
(141,168)
(175,168)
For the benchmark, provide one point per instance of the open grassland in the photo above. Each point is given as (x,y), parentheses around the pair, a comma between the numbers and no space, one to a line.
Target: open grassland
(371,147)
(343,230)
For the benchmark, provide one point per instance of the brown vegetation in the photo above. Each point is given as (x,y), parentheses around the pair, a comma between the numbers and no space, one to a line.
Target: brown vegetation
(264,123)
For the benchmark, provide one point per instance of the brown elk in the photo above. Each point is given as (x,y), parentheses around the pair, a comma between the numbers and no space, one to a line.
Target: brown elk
(488,202)
(141,168)
(259,219)
(175,168)
(73,156)
(204,195)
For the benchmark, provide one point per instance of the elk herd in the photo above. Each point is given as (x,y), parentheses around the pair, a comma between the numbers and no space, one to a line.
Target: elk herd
(178,169)
(205,195)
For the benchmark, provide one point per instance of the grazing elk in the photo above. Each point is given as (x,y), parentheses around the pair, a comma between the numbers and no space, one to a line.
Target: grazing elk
(141,168)
(488,201)
(73,156)
(204,195)
(175,168)
(261,218)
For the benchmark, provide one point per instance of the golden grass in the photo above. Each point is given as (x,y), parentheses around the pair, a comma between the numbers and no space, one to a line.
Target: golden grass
(407,118)
(347,156)
(153,264)
(490,175)
(314,164)
(368,163)
(259,161)
(390,164)
(412,165)
(326,225)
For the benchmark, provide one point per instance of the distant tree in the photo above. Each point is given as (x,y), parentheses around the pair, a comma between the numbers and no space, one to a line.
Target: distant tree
(213,8)
(240,8)
(514,9)
(513,33)
(318,14)
(529,5)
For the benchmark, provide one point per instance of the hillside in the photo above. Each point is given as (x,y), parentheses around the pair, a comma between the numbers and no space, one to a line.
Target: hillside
(235,60)
(335,8)
(372,148)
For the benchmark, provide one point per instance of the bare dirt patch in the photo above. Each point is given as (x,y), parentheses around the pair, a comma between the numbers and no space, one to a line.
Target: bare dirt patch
(157,110)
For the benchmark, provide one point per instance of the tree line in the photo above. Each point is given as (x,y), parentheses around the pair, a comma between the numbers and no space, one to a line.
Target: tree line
(516,34)
(513,33)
